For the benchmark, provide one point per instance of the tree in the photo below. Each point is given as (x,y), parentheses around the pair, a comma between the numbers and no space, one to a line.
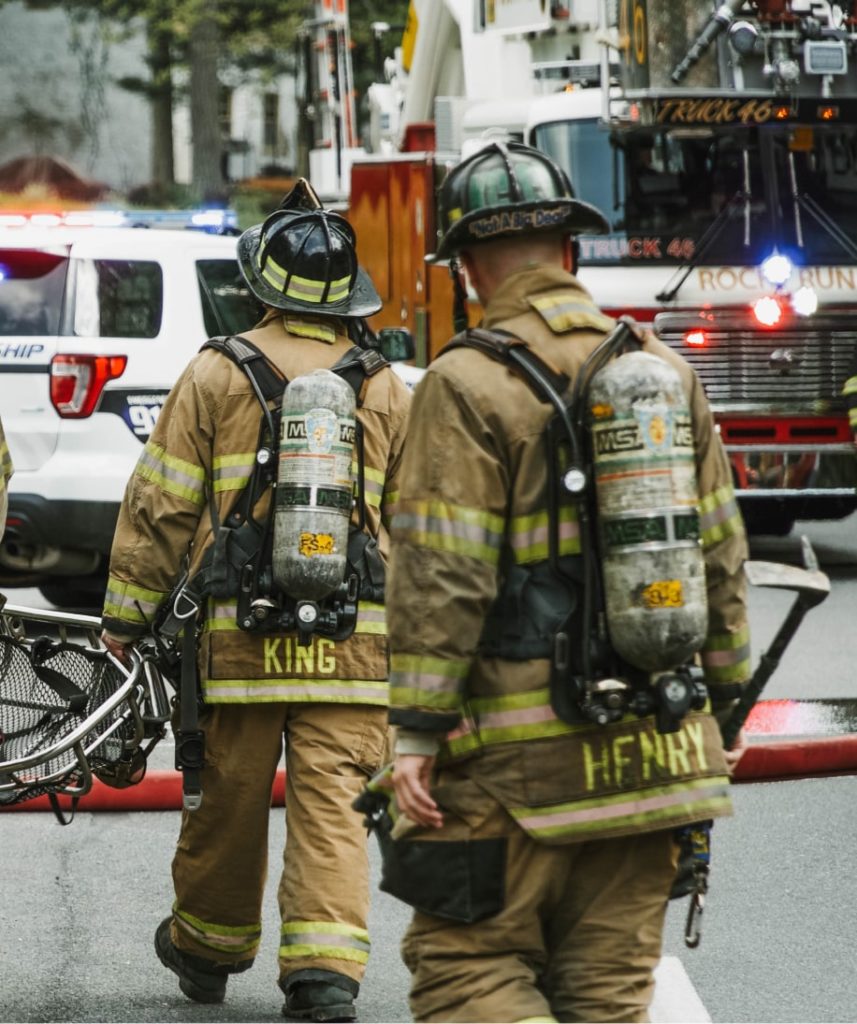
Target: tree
(205,36)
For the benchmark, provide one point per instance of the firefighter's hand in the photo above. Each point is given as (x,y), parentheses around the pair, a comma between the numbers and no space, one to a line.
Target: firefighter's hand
(411,777)
(734,755)
(118,648)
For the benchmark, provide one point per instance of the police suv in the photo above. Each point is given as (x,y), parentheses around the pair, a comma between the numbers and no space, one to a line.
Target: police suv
(96,324)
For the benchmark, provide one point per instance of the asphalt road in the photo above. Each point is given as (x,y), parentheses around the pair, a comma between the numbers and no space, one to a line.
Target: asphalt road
(80,904)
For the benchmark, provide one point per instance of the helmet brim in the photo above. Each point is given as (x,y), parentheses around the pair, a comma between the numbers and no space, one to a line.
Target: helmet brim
(564,216)
(363,301)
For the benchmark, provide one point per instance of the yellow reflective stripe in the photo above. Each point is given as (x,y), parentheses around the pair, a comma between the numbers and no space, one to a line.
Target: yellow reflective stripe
(519,717)
(307,329)
(224,938)
(304,288)
(131,603)
(455,529)
(726,656)
(324,939)
(659,805)
(371,619)
(850,387)
(416,679)
(231,472)
(173,475)
(222,615)
(373,483)
(358,936)
(528,535)
(562,313)
(719,516)
(512,718)
(324,691)
(852,416)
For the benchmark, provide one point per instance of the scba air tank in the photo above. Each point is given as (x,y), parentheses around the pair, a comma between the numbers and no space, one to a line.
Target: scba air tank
(314,493)
(647,505)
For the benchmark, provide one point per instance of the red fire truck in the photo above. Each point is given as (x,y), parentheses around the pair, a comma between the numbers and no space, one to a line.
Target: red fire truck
(720,142)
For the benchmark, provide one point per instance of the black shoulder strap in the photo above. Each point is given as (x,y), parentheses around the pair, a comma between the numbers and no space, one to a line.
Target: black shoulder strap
(517,355)
(253,361)
(354,366)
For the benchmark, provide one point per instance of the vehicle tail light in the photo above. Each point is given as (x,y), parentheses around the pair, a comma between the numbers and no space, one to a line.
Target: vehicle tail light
(696,339)
(77,382)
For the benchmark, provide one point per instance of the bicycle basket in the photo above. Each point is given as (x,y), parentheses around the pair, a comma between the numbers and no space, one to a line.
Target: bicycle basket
(68,709)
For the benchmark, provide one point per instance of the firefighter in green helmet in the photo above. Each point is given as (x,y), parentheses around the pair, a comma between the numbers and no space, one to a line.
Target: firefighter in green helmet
(202,486)
(538,801)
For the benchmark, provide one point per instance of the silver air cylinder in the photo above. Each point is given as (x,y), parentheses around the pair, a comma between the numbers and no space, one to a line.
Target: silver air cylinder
(314,493)
(647,504)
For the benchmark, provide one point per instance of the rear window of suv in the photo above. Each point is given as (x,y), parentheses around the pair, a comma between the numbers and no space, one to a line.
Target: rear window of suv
(31,291)
(117,298)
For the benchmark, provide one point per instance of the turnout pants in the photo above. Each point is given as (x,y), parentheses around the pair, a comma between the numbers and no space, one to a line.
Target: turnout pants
(578,938)
(220,863)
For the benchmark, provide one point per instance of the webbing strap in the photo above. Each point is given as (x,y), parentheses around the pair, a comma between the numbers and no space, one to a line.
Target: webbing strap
(252,360)
(354,366)
(515,353)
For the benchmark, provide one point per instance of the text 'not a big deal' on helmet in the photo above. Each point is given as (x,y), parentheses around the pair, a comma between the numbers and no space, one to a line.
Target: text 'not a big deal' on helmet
(506,190)
(303,259)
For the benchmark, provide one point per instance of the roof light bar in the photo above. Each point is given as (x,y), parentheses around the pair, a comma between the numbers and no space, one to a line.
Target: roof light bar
(212,221)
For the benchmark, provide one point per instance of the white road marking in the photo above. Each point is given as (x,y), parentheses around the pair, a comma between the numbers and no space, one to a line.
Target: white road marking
(676,1000)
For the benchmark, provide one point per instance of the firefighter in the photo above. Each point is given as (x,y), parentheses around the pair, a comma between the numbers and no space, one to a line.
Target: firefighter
(326,698)
(538,849)
(6,469)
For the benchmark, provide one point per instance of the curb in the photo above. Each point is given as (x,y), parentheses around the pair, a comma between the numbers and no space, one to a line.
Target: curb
(762,762)
(159,791)
(797,759)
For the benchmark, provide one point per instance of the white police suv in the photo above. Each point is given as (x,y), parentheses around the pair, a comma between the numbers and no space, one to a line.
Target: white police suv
(95,326)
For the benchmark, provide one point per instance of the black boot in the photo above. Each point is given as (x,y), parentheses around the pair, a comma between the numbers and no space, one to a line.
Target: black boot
(319,996)
(202,980)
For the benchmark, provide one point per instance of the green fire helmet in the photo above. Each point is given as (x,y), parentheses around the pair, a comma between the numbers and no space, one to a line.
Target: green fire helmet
(505,190)
(303,259)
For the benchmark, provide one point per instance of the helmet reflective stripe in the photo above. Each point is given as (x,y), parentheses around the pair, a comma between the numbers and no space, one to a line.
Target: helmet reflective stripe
(303,288)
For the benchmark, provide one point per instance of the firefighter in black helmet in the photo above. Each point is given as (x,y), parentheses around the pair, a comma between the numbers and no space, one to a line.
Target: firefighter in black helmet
(323,697)
(535,841)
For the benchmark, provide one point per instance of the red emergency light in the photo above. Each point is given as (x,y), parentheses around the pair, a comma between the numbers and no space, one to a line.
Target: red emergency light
(696,339)
(768,311)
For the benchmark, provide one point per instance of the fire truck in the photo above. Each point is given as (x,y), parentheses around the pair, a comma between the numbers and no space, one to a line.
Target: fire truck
(721,143)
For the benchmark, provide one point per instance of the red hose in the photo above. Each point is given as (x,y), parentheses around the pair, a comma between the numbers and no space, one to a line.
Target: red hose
(763,761)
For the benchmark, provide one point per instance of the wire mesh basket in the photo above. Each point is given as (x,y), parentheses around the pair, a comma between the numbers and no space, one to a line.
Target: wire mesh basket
(69,710)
